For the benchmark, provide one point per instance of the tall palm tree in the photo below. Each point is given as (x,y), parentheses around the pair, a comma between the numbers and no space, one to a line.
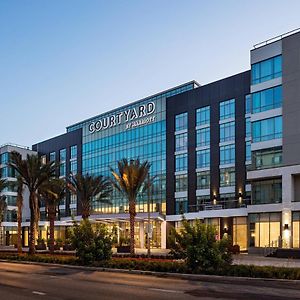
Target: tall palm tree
(3,205)
(33,174)
(52,192)
(20,200)
(129,181)
(89,188)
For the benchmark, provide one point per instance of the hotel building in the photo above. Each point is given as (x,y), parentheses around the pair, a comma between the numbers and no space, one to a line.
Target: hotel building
(227,153)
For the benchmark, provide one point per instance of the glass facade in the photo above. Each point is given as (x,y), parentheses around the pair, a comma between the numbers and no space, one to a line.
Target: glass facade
(181,183)
(227,109)
(181,142)
(203,116)
(267,191)
(267,129)
(203,137)
(137,130)
(227,132)
(267,99)
(203,180)
(227,177)
(203,158)
(266,70)
(267,158)
(227,154)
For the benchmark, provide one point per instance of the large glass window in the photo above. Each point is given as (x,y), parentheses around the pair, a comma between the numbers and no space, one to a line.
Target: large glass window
(203,116)
(248,151)
(62,155)
(203,158)
(248,104)
(267,129)
(181,162)
(73,167)
(203,180)
(227,109)
(227,154)
(181,205)
(4,158)
(181,121)
(52,156)
(248,127)
(227,131)
(264,229)
(296,229)
(266,70)
(267,99)
(181,142)
(240,232)
(227,177)
(181,183)
(203,137)
(74,151)
(267,158)
(267,191)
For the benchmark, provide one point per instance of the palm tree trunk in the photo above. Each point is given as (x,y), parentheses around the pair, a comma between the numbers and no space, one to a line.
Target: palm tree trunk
(32,230)
(132,220)
(19,230)
(51,239)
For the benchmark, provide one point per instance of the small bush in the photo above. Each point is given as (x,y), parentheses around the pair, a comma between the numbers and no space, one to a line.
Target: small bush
(91,244)
(197,244)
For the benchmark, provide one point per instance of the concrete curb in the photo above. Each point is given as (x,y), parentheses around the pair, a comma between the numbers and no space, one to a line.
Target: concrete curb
(193,277)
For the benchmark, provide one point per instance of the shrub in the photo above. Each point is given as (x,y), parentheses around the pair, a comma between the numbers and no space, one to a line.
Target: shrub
(197,244)
(91,244)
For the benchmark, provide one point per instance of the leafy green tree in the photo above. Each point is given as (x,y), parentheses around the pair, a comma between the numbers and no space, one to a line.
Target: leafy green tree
(129,180)
(91,244)
(197,243)
(20,200)
(90,188)
(33,173)
(52,192)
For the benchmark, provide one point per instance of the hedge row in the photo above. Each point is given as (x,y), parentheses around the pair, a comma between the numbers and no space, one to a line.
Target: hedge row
(166,266)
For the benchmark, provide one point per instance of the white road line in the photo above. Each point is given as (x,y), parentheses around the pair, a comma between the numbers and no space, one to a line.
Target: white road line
(39,293)
(166,291)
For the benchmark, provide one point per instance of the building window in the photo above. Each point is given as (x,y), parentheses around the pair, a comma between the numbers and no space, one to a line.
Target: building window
(265,229)
(181,121)
(248,151)
(44,159)
(227,177)
(203,116)
(73,167)
(227,109)
(181,183)
(4,158)
(181,205)
(203,137)
(227,154)
(203,158)
(62,155)
(203,203)
(267,158)
(248,104)
(228,200)
(267,191)
(248,127)
(74,151)
(203,180)
(73,199)
(52,156)
(227,131)
(181,142)
(267,99)
(181,162)
(267,129)
(266,70)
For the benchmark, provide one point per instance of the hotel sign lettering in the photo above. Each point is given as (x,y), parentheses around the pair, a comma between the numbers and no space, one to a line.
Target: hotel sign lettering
(133,117)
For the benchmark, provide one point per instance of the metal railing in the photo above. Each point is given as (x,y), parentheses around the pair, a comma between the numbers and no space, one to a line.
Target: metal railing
(276,38)
(273,246)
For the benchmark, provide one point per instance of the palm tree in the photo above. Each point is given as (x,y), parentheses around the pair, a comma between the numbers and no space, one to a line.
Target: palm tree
(20,200)
(52,192)
(88,188)
(33,174)
(3,205)
(129,181)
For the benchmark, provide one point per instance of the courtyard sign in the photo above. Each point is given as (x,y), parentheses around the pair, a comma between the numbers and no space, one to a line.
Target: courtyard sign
(134,117)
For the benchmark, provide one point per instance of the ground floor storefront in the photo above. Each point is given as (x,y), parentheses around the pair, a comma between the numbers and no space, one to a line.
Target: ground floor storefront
(251,231)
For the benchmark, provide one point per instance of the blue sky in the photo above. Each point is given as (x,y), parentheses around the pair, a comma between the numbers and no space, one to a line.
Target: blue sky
(62,61)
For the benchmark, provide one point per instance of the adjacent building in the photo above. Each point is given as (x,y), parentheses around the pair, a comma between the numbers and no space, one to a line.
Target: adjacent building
(221,152)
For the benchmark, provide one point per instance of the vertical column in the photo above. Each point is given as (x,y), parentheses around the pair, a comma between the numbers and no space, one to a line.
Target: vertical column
(142,235)
(163,228)
(287,198)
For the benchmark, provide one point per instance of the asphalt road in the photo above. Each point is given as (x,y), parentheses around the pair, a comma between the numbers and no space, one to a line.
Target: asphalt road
(20,282)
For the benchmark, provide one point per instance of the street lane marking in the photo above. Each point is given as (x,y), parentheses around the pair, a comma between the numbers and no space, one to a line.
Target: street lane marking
(166,291)
(39,293)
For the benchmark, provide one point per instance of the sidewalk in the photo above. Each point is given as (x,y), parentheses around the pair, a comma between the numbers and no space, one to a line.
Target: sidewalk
(246,259)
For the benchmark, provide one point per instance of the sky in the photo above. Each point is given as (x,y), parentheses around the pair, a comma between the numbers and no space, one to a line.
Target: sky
(62,61)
